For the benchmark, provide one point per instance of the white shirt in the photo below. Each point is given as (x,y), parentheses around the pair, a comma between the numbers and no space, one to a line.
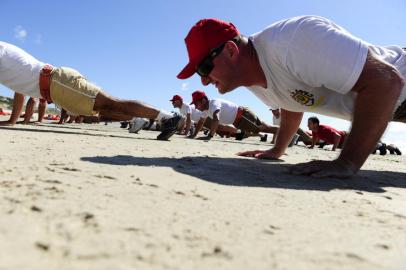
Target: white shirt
(19,71)
(195,114)
(227,110)
(311,64)
(276,121)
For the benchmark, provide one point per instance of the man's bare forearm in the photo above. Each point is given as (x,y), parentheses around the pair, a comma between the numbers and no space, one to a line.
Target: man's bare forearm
(188,124)
(290,122)
(18,103)
(213,127)
(337,139)
(199,126)
(373,110)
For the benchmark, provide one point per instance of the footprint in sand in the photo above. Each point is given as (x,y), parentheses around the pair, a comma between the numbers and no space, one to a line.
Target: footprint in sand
(199,196)
(383,246)
(354,256)
(70,169)
(217,252)
(42,246)
(105,176)
(35,209)
(88,219)
(271,229)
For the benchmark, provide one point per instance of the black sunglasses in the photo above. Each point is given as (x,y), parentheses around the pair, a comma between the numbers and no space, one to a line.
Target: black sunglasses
(206,66)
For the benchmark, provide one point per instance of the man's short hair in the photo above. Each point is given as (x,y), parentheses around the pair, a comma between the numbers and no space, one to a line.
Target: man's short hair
(314,120)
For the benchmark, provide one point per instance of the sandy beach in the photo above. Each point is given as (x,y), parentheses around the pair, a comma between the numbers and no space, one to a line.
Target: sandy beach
(96,197)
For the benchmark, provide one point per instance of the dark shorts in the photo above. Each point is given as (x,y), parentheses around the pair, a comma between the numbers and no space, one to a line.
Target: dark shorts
(400,113)
(249,122)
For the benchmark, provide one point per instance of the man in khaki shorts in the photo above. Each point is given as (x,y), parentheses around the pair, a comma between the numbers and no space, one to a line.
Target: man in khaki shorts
(70,90)
(227,113)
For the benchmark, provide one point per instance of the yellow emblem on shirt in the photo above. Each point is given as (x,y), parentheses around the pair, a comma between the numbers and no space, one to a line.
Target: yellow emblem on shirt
(305,98)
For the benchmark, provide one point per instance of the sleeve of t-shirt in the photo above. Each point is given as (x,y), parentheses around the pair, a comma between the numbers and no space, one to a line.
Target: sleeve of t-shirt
(215,106)
(322,54)
(188,109)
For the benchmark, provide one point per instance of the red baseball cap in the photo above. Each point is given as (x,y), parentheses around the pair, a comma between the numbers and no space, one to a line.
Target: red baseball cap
(205,35)
(176,97)
(197,95)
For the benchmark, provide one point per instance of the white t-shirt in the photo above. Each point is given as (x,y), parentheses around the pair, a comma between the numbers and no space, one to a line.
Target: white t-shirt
(195,114)
(311,64)
(276,121)
(227,113)
(19,71)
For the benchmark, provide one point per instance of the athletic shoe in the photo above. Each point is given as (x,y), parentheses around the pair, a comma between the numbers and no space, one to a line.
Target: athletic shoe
(124,124)
(169,127)
(382,149)
(393,149)
(397,151)
(137,124)
(240,136)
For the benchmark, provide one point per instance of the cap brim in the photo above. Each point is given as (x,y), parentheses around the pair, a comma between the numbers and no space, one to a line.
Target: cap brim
(187,72)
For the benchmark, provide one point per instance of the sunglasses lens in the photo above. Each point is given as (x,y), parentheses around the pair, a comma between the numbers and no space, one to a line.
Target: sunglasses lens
(205,67)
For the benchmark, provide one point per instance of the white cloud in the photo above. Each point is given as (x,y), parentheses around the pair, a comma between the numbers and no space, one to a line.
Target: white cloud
(20,33)
(185,86)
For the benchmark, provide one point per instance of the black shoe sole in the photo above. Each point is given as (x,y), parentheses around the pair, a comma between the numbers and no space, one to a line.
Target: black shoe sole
(165,135)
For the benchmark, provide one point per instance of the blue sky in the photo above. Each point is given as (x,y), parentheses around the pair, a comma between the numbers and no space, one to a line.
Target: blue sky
(134,49)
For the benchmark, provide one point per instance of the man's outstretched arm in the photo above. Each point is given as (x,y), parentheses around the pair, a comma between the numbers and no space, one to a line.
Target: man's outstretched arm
(290,122)
(199,127)
(215,123)
(18,103)
(337,139)
(186,127)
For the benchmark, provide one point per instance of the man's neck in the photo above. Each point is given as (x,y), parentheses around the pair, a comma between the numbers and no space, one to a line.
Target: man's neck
(255,75)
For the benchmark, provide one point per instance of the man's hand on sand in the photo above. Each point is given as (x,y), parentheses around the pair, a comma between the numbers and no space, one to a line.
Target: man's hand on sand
(205,138)
(322,168)
(262,154)
(6,123)
(28,123)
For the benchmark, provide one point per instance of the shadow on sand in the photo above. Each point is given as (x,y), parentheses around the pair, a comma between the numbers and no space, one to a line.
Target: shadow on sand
(75,130)
(65,130)
(257,173)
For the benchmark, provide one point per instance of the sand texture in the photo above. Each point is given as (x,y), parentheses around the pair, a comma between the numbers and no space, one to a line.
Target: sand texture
(97,197)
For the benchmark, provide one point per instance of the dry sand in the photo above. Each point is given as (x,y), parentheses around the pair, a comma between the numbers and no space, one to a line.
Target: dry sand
(97,197)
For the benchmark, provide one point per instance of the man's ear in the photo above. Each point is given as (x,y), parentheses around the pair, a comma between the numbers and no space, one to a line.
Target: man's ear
(231,49)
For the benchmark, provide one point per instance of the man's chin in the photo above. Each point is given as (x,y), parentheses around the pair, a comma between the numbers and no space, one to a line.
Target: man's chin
(223,90)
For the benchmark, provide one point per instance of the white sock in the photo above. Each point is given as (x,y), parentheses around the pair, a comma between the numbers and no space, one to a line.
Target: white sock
(164,115)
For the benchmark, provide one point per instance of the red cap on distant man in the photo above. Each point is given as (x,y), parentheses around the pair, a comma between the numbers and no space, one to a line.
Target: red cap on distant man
(197,95)
(203,37)
(176,97)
